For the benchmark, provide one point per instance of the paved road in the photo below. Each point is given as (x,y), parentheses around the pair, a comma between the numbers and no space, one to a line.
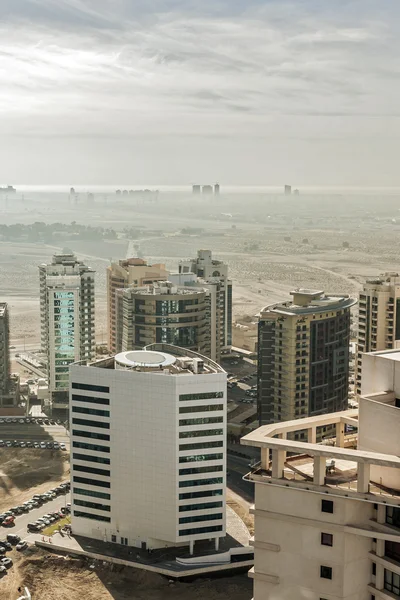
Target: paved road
(236,468)
(21,521)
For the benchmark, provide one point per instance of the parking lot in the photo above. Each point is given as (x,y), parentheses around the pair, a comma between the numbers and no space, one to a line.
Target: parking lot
(33,433)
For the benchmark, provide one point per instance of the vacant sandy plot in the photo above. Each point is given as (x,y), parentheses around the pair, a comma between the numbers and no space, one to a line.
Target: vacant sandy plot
(25,472)
(52,577)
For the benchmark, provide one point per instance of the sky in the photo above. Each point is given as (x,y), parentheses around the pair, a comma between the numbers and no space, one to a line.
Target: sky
(244,92)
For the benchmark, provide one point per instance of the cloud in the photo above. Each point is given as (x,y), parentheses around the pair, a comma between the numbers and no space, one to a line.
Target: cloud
(89,68)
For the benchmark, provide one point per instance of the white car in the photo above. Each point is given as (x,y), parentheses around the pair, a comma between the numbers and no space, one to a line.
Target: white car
(43,445)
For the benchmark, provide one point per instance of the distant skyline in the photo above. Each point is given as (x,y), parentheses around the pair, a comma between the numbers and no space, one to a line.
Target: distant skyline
(174,92)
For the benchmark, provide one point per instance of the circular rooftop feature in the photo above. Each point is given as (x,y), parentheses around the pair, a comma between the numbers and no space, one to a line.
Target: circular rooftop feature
(144,358)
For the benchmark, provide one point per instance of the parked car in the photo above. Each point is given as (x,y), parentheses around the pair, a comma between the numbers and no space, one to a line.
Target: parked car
(8,444)
(21,545)
(9,521)
(6,562)
(13,538)
(3,570)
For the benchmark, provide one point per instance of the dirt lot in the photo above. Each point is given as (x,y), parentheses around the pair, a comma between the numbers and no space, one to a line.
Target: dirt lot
(52,577)
(25,472)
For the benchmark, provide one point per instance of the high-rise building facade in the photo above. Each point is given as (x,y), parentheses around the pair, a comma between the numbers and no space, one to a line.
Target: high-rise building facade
(378,317)
(133,272)
(148,449)
(327,517)
(303,356)
(214,272)
(4,349)
(163,313)
(67,320)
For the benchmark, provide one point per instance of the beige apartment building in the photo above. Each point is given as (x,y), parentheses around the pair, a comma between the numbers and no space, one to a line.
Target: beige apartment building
(4,349)
(133,272)
(303,356)
(327,516)
(378,317)
(162,313)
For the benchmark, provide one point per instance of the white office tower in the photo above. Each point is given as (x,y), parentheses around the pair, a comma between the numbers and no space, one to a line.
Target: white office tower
(148,454)
(67,320)
(327,516)
(214,272)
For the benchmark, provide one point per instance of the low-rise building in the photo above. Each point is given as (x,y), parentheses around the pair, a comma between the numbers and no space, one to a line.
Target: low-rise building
(327,515)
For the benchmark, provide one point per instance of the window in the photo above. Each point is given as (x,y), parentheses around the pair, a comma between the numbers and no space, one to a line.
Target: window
(392,582)
(94,505)
(91,434)
(194,470)
(105,484)
(95,447)
(85,515)
(201,445)
(199,518)
(201,506)
(91,423)
(86,469)
(203,494)
(201,433)
(90,411)
(393,516)
(204,396)
(98,459)
(197,482)
(91,400)
(325,572)
(327,506)
(373,568)
(211,529)
(199,421)
(113,538)
(326,539)
(200,457)
(194,409)
(90,387)
(91,493)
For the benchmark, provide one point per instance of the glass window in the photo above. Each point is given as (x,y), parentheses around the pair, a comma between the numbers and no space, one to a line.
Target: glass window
(202,494)
(90,387)
(327,506)
(88,423)
(95,505)
(198,530)
(326,539)
(201,433)
(197,482)
(201,445)
(199,518)
(201,506)
(393,516)
(200,457)
(94,482)
(91,434)
(92,400)
(204,396)
(325,572)
(95,447)
(392,582)
(90,411)
(194,470)
(85,515)
(203,408)
(85,469)
(91,493)
(91,458)
(200,421)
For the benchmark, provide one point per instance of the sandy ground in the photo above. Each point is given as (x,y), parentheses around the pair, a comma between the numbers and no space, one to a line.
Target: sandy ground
(52,577)
(25,472)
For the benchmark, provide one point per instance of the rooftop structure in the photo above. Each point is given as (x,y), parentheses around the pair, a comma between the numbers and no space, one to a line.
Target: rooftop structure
(327,515)
(148,432)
